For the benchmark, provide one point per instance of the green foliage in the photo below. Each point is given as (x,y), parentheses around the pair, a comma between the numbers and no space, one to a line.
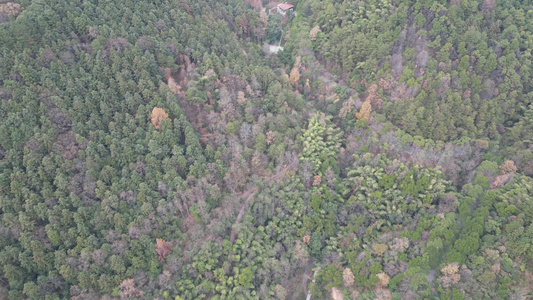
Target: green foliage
(320,140)
(330,277)
(245,278)
(246,199)
(488,166)
(273,30)
(383,194)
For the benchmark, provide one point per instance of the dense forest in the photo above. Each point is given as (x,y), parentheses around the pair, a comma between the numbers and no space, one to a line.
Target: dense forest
(160,150)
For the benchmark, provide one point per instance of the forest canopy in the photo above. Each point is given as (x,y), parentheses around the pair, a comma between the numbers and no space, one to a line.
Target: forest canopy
(160,149)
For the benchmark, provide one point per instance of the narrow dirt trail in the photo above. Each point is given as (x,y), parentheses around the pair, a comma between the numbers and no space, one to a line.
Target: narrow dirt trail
(306,275)
(314,279)
(250,193)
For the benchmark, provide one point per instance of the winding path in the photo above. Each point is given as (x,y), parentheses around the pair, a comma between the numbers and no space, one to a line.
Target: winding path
(250,193)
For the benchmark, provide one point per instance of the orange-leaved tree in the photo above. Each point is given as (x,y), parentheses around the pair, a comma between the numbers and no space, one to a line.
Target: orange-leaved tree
(158,115)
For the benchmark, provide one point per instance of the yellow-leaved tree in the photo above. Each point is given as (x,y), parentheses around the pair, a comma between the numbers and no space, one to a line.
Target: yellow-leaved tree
(295,72)
(364,113)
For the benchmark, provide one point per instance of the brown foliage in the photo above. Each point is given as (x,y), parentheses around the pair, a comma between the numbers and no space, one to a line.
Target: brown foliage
(382,294)
(373,98)
(450,269)
(384,83)
(257,161)
(487,276)
(210,73)
(400,244)
(449,280)
(306,239)
(186,5)
(355,294)
(447,203)
(314,32)
(346,241)
(158,115)
(380,248)
(240,98)
(173,86)
(347,107)
(270,137)
(48,55)
(336,294)
(507,167)
(317,180)
(94,32)
(482,144)
(490,252)
(295,75)
(163,248)
(61,122)
(128,290)
(295,72)
(70,152)
(348,277)
(119,44)
(528,168)
(255,4)
(64,140)
(450,276)
(263,17)
(500,180)
(372,89)
(488,6)
(383,279)
(33,145)
(496,268)
(11,8)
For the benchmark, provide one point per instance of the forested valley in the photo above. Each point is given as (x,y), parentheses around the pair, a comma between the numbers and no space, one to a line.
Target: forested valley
(161,150)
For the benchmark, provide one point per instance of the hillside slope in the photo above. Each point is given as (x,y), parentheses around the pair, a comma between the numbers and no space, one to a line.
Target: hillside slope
(157,149)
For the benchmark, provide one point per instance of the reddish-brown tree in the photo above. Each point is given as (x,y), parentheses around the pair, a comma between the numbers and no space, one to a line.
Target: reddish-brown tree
(163,248)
